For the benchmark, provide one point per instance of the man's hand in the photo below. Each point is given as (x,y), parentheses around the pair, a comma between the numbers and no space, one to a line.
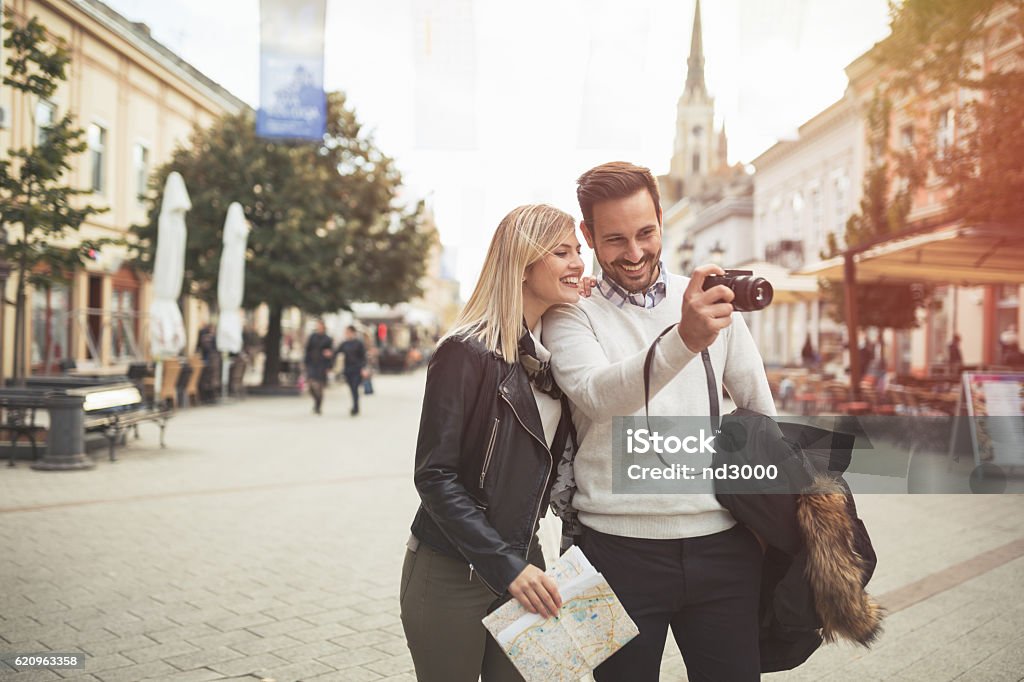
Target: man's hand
(536,591)
(587,284)
(705,313)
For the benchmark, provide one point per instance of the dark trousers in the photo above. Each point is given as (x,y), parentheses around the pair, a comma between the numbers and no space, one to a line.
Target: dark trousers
(316,389)
(705,588)
(354,381)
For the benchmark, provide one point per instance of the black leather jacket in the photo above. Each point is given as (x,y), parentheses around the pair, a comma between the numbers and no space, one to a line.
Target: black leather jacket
(483,470)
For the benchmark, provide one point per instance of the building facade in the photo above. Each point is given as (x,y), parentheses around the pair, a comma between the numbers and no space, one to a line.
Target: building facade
(137,101)
(804,190)
(925,121)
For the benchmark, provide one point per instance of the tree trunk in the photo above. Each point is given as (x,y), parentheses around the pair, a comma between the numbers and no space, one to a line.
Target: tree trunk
(272,348)
(18,371)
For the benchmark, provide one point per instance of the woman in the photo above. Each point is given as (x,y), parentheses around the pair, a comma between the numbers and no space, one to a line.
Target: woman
(491,418)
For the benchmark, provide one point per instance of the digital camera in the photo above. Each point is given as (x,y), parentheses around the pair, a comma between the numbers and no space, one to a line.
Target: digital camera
(752,293)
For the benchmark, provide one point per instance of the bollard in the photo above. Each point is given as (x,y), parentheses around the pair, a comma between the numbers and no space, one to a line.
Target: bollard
(65,444)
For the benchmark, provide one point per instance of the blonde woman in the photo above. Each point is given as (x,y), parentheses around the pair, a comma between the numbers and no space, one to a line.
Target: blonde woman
(492,416)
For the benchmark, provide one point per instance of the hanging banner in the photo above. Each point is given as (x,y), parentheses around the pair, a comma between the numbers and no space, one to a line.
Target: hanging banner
(292,100)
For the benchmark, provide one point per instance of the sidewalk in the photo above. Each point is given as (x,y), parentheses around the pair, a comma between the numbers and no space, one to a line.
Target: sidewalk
(266,543)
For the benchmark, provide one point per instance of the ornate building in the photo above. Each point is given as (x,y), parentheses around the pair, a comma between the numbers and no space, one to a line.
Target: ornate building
(699,154)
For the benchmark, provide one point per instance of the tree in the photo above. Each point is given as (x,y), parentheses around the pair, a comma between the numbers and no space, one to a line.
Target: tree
(942,44)
(891,305)
(33,197)
(326,227)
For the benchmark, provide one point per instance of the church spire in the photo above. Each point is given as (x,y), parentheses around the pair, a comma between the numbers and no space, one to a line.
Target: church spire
(695,63)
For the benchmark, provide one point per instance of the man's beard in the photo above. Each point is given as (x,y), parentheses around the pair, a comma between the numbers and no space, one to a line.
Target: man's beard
(650,266)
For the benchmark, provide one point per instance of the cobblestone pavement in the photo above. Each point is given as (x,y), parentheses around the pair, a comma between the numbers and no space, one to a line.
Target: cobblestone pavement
(266,543)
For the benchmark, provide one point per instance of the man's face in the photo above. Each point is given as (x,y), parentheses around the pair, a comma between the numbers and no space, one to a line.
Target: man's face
(626,237)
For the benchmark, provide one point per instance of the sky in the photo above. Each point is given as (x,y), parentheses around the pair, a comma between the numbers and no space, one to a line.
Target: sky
(486,105)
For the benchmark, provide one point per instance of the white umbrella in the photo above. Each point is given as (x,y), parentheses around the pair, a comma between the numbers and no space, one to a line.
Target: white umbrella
(166,328)
(231,280)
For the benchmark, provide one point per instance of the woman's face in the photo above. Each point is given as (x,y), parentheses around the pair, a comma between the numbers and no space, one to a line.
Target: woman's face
(556,277)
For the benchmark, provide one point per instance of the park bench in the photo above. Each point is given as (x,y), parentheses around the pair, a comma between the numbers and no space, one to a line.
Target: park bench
(114,409)
(19,417)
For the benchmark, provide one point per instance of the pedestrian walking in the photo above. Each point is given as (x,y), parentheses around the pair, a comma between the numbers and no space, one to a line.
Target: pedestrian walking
(492,417)
(354,351)
(318,360)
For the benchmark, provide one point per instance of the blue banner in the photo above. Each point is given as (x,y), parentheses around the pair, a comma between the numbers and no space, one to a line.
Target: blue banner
(292,100)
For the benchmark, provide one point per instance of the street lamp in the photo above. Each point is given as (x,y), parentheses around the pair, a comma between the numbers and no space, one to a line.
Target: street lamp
(717,252)
(686,251)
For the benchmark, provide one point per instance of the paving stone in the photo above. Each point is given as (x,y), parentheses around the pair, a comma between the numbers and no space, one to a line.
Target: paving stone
(297,671)
(353,657)
(132,673)
(249,665)
(203,658)
(349,675)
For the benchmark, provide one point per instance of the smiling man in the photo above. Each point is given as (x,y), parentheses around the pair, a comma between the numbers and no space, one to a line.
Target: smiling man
(677,561)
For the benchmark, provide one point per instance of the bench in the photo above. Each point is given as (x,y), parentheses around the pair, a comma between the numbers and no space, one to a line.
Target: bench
(113,409)
(19,417)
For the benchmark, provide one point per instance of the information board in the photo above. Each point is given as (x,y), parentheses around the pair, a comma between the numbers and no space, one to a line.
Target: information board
(995,406)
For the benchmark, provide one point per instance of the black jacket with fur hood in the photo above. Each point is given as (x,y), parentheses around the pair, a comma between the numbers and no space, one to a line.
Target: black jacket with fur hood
(819,556)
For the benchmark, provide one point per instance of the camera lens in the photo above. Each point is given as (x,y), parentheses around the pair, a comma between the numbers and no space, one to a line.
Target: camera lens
(752,293)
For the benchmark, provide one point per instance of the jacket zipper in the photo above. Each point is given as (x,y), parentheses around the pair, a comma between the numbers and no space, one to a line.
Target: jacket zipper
(551,463)
(536,517)
(490,451)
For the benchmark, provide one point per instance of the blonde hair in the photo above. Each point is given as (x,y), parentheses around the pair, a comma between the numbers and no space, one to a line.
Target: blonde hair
(494,313)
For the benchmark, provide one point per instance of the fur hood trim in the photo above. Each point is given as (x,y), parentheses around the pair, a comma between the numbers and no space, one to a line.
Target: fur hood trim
(834,569)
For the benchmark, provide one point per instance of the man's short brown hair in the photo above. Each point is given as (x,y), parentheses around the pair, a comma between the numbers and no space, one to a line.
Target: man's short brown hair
(614,180)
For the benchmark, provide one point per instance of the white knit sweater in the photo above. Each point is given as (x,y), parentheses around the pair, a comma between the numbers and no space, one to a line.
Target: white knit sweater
(598,355)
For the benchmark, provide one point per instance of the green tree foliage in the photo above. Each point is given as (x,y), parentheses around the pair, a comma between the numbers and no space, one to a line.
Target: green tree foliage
(938,46)
(38,210)
(326,227)
(891,305)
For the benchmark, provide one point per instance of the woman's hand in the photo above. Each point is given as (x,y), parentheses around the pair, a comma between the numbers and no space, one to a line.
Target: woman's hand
(536,591)
(586,285)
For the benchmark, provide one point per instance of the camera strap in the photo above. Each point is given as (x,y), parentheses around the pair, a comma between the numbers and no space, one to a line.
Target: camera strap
(708,371)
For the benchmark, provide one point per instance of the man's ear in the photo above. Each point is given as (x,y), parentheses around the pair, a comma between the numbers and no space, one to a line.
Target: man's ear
(587,234)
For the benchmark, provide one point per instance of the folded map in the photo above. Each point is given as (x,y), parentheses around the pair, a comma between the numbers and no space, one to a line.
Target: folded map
(590,627)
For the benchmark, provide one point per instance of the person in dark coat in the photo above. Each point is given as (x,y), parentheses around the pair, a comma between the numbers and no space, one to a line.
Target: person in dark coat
(956,357)
(318,360)
(354,351)
(209,379)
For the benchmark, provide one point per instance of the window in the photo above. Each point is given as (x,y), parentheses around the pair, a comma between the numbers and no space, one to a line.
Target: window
(907,136)
(97,140)
(696,163)
(816,210)
(944,130)
(124,312)
(140,164)
(841,184)
(51,327)
(697,131)
(45,113)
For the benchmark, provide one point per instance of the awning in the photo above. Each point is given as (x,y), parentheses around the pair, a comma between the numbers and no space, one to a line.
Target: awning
(789,287)
(951,255)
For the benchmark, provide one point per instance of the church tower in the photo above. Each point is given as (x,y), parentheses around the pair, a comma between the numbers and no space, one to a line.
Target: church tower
(699,150)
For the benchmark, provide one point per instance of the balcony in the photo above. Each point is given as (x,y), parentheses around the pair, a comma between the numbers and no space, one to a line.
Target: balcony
(786,253)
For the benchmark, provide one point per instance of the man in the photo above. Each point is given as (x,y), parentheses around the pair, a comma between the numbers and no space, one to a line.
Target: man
(318,360)
(355,363)
(678,560)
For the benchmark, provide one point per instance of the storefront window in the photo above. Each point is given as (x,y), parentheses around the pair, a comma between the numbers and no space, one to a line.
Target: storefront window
(51,328)
(124,323)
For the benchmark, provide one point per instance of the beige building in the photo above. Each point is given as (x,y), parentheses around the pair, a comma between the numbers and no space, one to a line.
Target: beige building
(137,101)
(805,189)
